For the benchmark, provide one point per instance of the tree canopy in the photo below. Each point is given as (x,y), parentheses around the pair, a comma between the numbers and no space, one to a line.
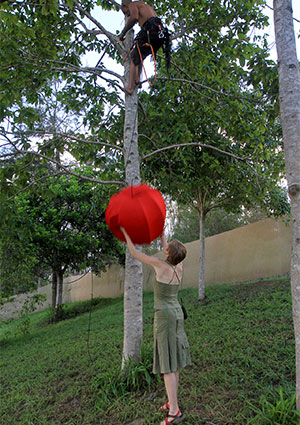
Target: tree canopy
(61,224)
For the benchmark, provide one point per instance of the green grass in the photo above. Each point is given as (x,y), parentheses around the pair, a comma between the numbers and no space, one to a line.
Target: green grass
(242,348)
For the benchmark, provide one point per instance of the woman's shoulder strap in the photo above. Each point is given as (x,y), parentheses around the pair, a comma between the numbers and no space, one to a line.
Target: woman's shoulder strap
(174,273)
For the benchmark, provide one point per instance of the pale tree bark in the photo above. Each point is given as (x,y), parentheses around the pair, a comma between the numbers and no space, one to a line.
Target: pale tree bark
(289,96)
(201,272)
(133,286)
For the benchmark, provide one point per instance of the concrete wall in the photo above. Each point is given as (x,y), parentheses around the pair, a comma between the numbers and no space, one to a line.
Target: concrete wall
(258,250)
(254,251)
(76,288)
(11,310)
(108,285)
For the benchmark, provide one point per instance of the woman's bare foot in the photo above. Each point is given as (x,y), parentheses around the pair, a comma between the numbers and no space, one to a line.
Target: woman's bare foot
(173,419)
(165,407)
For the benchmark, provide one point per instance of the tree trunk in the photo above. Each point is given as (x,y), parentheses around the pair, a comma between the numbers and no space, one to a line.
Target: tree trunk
(133,286)
(60,287)
(289,96)
(54,288)
(201,283)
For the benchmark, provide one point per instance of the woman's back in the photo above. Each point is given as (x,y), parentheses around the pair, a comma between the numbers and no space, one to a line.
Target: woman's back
(167,273)
(165,295)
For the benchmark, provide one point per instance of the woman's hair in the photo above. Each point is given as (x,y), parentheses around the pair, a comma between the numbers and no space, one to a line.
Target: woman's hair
(176,252)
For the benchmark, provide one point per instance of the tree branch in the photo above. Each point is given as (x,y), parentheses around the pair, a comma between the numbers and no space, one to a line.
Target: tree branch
(182,32)
(71,136)
(203,145)
(112,37)
(219,204)
(91,70)
(192,82)
(62,167)
(67,171)
(67,9)
(31,184)
(9,155)
(297,20)
(114,83)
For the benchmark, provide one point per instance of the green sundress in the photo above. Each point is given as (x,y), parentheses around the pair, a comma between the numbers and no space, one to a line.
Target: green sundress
(171,347)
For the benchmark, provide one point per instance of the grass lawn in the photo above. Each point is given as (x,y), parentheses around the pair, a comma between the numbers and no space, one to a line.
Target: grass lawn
(242,347)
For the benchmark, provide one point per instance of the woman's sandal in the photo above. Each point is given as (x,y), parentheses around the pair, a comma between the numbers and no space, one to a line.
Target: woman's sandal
(179,417)
(165,407)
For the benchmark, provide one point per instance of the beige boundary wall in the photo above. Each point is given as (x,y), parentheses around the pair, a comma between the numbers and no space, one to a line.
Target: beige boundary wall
(76,288)
(258,250)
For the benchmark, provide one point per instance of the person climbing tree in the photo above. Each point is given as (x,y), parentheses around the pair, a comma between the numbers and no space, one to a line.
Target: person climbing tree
(152,36)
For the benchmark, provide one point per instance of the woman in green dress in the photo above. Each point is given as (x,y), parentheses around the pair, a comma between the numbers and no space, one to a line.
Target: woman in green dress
(171,348)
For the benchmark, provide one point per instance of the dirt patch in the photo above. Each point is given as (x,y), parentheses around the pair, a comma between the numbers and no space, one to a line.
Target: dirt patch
(248,290)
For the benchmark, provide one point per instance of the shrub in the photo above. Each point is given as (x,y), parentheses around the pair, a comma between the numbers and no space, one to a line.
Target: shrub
(134,377)
(69,311)
(29,306)
(276,409)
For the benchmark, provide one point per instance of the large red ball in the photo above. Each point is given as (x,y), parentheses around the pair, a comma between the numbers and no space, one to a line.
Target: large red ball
(141,210)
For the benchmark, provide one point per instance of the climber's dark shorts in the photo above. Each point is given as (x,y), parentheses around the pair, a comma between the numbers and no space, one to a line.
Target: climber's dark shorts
(153,33)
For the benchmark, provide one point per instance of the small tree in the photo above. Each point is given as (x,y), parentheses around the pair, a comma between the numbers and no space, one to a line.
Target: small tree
(186,226)
(210,161)
(65,218)
(289,96)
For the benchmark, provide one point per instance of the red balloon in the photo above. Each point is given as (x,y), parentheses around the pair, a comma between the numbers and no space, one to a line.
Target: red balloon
(141,210)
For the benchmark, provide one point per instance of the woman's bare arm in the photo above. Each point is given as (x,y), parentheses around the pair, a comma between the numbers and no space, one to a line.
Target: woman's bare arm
(164,243)
(144,258)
